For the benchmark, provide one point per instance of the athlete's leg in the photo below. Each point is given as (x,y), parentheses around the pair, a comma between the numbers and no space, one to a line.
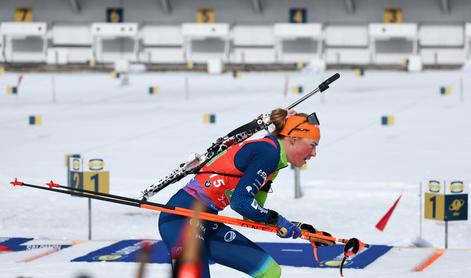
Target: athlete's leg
(171,226)
(230,248)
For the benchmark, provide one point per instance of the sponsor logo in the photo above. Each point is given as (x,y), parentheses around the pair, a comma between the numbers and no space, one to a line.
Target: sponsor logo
(456,205)
(249,190)
(434,186)
(200,237)
(96,164)
(336,262)
(20,244)
(198,224)
(111,257)
(250,226)
(456,187)
(120,253)
(262,174)
(39,246)
(257,184)
(223,201)
(256,206)
(207,184)
(76,164)
(230,236)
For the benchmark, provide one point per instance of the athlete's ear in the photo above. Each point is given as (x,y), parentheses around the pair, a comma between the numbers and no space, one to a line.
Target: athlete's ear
(292,140)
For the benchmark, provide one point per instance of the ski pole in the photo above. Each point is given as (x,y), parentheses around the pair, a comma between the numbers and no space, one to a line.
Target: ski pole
(351,246)
(170,209)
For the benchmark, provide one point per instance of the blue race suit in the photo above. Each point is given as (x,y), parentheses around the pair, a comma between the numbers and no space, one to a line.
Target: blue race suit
(257,162)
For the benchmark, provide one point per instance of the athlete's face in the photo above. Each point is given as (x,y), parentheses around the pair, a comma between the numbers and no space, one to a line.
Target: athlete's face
(301,150)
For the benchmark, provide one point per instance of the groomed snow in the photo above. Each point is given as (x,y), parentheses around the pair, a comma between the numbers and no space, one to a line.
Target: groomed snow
(361,167)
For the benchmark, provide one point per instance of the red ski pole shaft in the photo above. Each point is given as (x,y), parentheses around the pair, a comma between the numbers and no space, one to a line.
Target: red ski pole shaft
(176,210)
(236,222)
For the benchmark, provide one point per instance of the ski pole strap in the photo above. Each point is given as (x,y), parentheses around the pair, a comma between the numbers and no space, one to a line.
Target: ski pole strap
(351,248)
(314,250)
(341,265)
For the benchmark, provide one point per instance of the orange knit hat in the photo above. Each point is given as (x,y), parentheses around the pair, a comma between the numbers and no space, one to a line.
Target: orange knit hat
(301,126)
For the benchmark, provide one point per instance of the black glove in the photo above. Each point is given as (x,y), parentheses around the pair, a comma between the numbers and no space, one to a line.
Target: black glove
(309,228)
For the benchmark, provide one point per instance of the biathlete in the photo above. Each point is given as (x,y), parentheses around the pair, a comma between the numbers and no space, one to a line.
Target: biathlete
(240,177)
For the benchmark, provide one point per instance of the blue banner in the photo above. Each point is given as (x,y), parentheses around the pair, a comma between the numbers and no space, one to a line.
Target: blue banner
(301,254)
(20,244)
(127,251)
(289,254)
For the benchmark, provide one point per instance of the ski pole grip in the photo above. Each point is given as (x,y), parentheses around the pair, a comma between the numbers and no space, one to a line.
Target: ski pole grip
(325,85)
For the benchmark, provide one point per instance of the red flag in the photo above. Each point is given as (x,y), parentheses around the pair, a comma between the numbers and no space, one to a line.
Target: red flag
(384,220)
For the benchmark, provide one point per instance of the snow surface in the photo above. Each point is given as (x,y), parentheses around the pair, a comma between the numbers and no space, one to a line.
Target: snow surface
(361,167)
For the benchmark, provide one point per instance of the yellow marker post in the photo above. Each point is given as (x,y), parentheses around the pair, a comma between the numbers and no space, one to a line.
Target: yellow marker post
(24,15)
(388,120)
(154,90)
(297,89)
(35,120)
(205,16)
(115,74)
(434,206)
(445,91)
(393,15)
(12,90)
(209,118)
(359,71)
(97,181)
(189,65)
(236,73)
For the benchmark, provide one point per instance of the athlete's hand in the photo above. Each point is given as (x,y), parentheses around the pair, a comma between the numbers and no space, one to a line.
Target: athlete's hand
(287,229)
